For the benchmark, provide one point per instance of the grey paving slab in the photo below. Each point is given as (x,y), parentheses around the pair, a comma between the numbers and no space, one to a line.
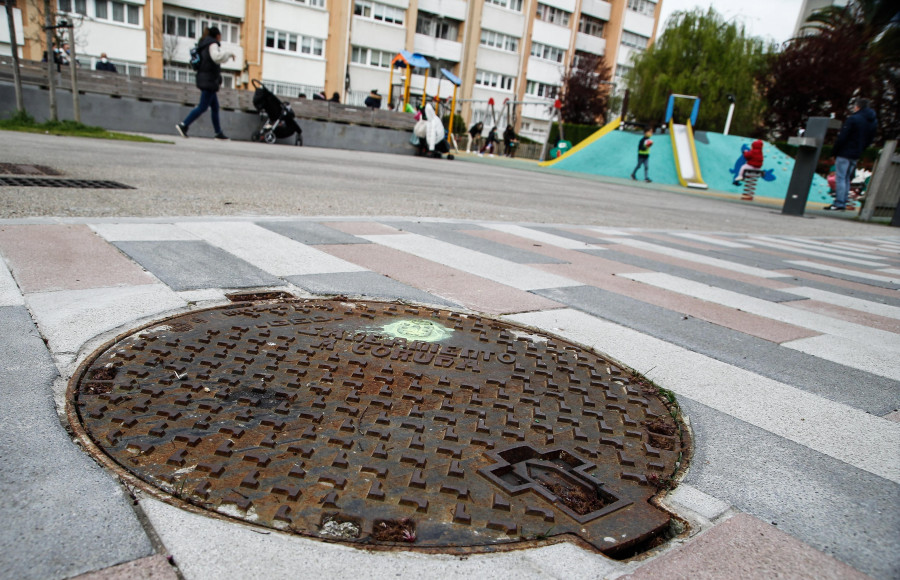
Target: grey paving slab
(838,509)
(184,265)
(311,233)
(697,276)
(570,235)
(61,513)
(851,292)
(369,284)
(440,231)
(859,389)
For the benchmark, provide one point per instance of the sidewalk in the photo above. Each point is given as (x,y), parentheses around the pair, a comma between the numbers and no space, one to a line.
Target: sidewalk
(781,349)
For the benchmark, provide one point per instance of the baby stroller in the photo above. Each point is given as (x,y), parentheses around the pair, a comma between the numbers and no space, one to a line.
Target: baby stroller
(278,120)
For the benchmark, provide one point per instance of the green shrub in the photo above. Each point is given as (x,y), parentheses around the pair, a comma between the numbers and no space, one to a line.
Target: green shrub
(573,133)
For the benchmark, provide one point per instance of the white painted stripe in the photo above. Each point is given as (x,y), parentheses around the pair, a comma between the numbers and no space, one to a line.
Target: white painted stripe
(893,271)
(871,358)
(823,254)
(846,301)
(853,246)
(274,253)
(9,290)
(772,310)
(699,259)
(142,232)
(608,231)
(544,237)
(839,431)
(836,270)
(516,275)
(709,240)
(830,247)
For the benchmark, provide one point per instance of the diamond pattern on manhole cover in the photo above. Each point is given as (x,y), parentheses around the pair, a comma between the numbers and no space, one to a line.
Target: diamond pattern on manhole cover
(383,424)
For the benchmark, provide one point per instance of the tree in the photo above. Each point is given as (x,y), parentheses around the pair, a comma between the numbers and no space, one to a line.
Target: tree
(585,90)
(852,51)
(703,55)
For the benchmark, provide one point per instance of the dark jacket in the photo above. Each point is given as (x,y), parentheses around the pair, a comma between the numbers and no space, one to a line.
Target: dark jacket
(373,101)
(643,147)
(107,66)
(857,133)
(209,77)
(754,156)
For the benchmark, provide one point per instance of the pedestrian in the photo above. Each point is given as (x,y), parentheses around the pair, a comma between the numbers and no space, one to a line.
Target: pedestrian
(104,64)
(373,101)
(209,79)
(490,143)
(335,97)
(857,133)
(510,141)
(643,155)
(753,159)
(475,137)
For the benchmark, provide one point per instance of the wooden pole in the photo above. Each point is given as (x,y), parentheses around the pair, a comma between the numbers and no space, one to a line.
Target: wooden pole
(51,59)
(73,65)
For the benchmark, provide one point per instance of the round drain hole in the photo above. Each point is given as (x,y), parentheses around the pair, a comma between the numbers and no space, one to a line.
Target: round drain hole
(376,423)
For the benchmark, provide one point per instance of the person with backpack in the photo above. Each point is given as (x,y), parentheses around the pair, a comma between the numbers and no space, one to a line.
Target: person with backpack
(209,79)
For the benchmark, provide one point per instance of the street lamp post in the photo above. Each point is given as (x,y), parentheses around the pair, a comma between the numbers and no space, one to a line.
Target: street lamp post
(730,113)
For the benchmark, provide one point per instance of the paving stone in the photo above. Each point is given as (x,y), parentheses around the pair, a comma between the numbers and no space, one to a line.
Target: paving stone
(836,508)
(369,284)
(698,502)
(450,233)
(843,287)
(744,547)
(62,514)
(804,371)
(152,568)
(65,257)
(697,276)
(185,265)
(572,235)
(9,290)
(311,233)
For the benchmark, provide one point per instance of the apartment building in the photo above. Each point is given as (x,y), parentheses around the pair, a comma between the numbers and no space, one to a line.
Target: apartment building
(505,50)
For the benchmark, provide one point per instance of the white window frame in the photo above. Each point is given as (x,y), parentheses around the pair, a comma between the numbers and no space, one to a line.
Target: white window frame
(379,12)
(587,23)
(512,5)
(499,41)
(110,6)
(230,28)
(436,26)
(370,57)
(541,90)
(547,52)
(310,3)
(552,15)
(294,44)
(190,26)
(645,7)
(634,41)
(496,81)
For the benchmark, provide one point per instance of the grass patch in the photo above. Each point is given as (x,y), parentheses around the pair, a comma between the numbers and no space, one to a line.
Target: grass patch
(25,123)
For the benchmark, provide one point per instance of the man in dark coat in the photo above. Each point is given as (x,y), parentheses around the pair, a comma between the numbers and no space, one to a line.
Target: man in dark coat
(209,79)
(857,133)
(104,64)
(373,101)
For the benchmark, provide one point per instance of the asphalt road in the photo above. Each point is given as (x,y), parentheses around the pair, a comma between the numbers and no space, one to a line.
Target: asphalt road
(195,177)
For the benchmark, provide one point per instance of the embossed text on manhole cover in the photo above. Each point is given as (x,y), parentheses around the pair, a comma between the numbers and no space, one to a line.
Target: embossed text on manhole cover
(383,424)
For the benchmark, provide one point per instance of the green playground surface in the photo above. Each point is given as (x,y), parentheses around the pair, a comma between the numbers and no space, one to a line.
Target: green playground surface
(614,154)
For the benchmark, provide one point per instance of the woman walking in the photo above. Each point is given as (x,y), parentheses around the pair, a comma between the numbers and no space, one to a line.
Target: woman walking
(209,79)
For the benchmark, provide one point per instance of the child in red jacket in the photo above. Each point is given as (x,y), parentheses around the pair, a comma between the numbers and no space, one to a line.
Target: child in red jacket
(754,160)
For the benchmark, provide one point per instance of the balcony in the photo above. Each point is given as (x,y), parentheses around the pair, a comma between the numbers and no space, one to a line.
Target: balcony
(543,71)
(551,34)
(438,48)
(591,44)
(455,9)
(503,21)
(597,9)
(567,5)
(232,8)
(639,24)
(378,35)
(505,63)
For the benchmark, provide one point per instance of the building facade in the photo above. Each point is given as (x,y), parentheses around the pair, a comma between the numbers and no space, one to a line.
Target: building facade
(502,50)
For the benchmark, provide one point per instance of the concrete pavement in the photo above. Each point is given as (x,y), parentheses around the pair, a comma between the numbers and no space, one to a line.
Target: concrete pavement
(781,344)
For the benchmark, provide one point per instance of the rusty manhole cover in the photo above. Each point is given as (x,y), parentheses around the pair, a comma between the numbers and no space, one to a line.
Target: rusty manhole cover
(383,424)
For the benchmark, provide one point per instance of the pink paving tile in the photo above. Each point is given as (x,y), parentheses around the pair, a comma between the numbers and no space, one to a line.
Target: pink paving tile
(45,258)
(471,291)
(597,271)
(150,568)
(745,547)
(362,228)
(801,276)
(848,314)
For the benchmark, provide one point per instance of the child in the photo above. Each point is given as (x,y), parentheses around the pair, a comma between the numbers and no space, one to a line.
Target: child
(490,142)
(754,159)
(643,155)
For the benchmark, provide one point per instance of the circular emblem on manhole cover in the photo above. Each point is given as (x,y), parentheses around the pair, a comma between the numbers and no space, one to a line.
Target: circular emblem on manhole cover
(383,424)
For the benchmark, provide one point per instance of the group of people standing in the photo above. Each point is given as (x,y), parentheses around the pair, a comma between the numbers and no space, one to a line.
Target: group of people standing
(489,144)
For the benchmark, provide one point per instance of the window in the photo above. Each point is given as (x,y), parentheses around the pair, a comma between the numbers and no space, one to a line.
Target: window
(371,57)
(230,28)
(541,90)
(552,15)
(514,5)
(316,3)
(547,52)
(499,41)
(635,41)
(645,7)
(592,26)
(437,27)
(296,43)
(116,11)
(381,12)
(180,26)
(74,6)
(494,80)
